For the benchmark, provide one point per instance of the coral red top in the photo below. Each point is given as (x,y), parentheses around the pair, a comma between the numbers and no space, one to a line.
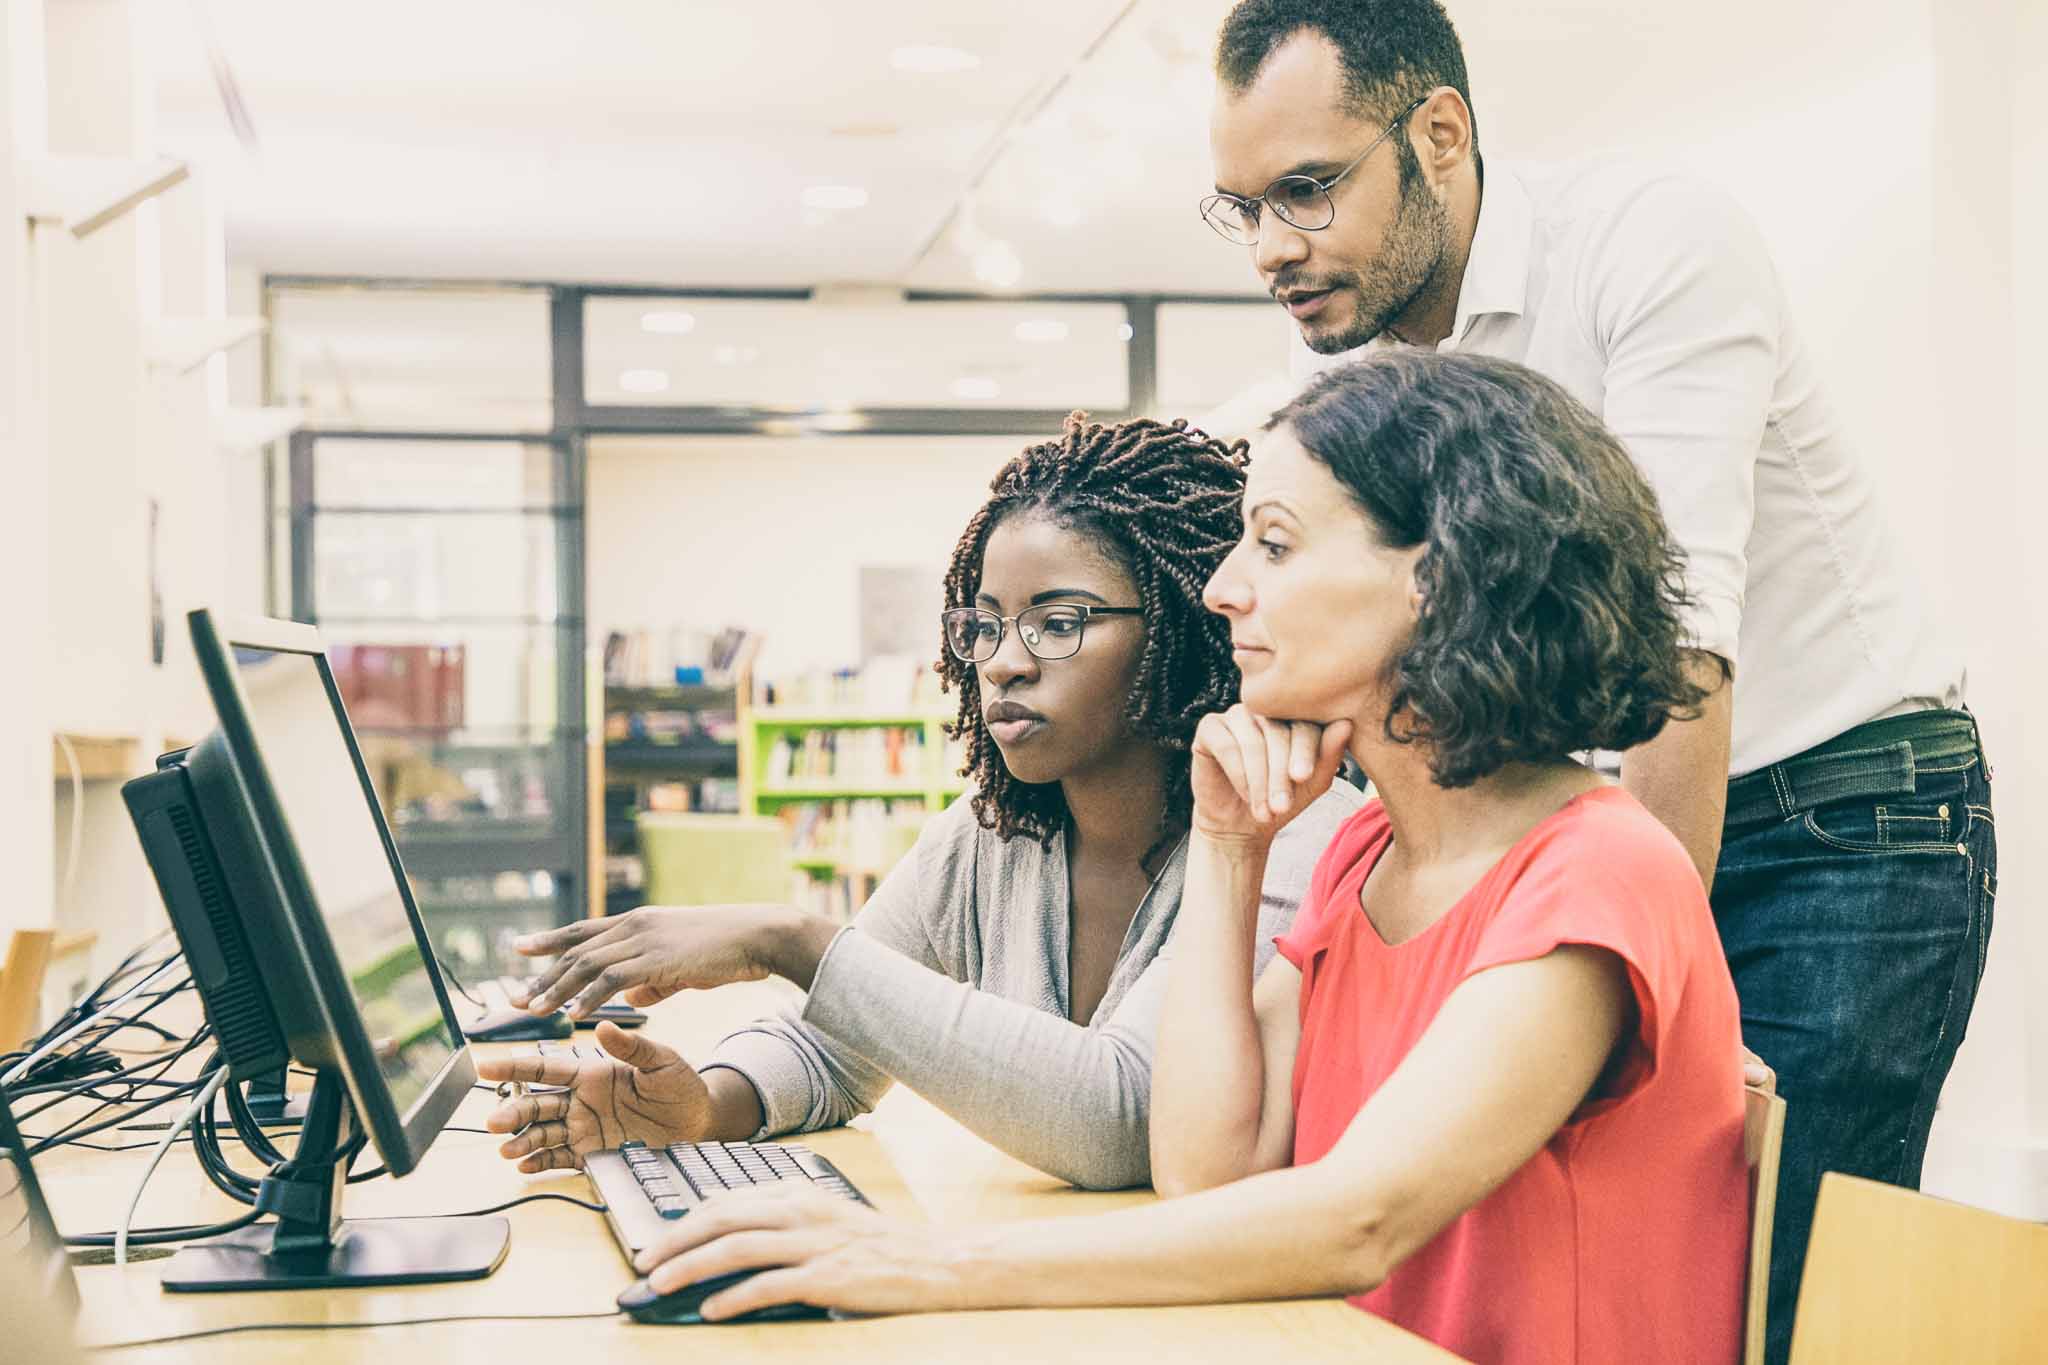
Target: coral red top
(1626,1236)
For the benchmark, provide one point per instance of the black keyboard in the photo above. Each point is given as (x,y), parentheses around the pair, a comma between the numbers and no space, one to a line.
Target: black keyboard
(645,1189)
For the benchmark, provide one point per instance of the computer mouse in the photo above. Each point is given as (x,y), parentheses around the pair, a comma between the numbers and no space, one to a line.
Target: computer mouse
(642,1304)
(517,1026)
(625,1016)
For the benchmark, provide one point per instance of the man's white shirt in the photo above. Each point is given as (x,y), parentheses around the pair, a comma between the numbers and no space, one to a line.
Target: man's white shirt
(1652,299)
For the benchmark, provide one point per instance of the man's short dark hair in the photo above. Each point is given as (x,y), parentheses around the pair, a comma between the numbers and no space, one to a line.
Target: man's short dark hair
(1552,593)
(1392,50)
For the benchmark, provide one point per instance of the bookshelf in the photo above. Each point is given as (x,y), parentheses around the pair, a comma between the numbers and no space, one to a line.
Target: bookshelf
(852,788)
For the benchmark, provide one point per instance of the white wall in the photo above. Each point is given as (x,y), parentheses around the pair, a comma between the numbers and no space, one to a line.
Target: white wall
(25,801)
(1980,478)
(94,435)
(2028,559)
(770,533)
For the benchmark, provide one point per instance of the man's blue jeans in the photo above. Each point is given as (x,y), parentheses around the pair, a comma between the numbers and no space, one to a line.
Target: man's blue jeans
(1854,896)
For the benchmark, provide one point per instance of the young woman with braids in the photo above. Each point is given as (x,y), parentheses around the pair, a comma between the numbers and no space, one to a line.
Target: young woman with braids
(1008,968)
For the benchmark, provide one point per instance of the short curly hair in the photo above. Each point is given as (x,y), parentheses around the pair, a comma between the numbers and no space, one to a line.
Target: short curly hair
(1552,593)
(1167,502)
(1392,50)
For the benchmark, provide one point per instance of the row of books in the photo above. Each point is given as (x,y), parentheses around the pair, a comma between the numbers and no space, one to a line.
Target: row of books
(678,654)
(715,795)
(834,898)
(895,682)
(867,835)
(881,753)
(653,726)
(400,687)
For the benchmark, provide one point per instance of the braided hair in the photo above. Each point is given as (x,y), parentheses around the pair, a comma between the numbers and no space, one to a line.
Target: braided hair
(1167,502)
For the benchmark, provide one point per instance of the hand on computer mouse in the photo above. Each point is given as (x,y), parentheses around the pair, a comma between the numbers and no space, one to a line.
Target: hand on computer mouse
(813,1248)
(654,951)
(650,1093)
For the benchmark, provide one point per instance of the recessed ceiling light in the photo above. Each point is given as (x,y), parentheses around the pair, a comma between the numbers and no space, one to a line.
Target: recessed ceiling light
(736,355)
(976,386)
(998,265)
(1041,329)
(644,381)
(668,322)
(932,59)
(835,197)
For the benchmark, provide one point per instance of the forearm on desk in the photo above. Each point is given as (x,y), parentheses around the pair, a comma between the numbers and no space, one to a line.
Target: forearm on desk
(736,1113)
(1281,1234)
(1068,1100)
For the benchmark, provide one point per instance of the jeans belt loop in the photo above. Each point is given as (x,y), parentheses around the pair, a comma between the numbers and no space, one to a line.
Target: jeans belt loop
(1880,758)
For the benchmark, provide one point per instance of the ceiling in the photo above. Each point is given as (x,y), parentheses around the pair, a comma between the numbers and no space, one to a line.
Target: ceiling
(673,141)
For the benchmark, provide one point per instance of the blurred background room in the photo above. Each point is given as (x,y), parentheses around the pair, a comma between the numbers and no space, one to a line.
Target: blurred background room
(610,381)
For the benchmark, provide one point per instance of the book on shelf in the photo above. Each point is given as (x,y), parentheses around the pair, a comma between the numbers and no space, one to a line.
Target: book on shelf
(679,654)
(893,684)
(664,725)
(882,753)
(710,796)
(414,688)
(864,834)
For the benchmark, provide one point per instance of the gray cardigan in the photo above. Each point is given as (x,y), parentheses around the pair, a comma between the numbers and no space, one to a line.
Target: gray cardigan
(953,980)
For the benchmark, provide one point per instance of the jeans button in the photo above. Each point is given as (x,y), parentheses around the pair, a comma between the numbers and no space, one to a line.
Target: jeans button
(1942,811)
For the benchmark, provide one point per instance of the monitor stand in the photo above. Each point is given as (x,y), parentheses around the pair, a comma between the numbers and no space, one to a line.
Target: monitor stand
(311,1246)
(270,1106)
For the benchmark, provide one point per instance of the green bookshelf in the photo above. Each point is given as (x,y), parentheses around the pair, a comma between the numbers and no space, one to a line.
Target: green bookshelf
(932,784)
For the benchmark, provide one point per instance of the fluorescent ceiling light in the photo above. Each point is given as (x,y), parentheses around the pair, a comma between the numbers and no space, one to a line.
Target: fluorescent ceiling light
(668,322)
(975,386)
(835,197)
(644,381)
(1041,329)
(932,59)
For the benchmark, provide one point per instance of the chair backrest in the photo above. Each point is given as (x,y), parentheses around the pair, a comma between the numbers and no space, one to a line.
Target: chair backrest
(695,859)
(1763,1133)
(1894,1275)
(21,984)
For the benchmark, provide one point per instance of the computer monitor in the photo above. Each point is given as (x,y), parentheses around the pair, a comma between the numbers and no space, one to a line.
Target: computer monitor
(286,890)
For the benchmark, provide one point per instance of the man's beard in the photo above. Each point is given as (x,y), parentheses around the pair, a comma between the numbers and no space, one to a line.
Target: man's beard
(1417,242)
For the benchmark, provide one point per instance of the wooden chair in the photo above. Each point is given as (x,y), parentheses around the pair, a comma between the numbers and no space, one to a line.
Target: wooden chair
(21,984)
(1894,1275)
(1763,1133)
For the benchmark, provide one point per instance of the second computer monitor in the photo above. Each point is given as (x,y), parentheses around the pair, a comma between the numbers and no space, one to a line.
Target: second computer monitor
(387,1022)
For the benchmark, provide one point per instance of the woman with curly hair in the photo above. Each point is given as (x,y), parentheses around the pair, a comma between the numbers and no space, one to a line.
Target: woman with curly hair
(1491,1086)
(1007,968)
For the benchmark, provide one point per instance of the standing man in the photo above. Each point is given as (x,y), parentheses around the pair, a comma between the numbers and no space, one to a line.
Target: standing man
(1832,792)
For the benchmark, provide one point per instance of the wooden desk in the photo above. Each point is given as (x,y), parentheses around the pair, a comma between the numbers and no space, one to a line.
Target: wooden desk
(908,1158)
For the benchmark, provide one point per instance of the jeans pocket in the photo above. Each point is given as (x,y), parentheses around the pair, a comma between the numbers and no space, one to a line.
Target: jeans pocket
(1914,825)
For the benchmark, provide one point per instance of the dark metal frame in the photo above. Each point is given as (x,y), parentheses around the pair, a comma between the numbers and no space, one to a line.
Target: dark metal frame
(576,420)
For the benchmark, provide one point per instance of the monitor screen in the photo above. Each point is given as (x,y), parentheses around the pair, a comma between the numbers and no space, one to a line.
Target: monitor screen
(300,731)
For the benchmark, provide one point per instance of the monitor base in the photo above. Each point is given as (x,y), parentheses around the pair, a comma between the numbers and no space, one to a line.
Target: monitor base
(369,1251)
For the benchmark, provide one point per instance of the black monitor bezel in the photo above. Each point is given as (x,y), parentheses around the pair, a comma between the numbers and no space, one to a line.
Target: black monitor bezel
(401,1138)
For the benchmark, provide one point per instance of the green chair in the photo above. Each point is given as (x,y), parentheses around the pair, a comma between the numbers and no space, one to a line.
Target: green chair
(713,859)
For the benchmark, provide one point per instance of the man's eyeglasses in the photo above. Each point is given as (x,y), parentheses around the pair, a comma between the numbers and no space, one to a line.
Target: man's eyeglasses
(1301,201)
(1051,630)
